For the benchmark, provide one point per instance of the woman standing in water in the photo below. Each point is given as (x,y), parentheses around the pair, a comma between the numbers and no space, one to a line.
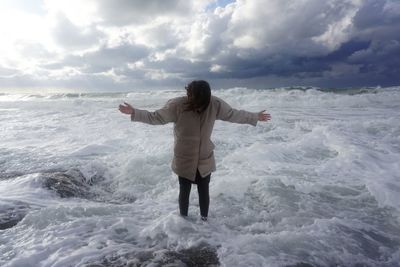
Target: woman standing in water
(193,117)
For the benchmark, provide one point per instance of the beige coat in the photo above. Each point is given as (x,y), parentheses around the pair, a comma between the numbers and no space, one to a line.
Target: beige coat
(192,131)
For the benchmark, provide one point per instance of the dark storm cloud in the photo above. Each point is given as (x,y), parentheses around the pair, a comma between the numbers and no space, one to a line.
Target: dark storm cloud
(370,51)
(375,13)
(377,23)
(289,65)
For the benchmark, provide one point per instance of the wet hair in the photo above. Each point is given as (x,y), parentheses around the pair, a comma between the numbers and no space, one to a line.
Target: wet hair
(199,95)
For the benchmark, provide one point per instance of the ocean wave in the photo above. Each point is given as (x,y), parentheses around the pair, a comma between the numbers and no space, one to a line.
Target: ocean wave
(113,95)
(315,186)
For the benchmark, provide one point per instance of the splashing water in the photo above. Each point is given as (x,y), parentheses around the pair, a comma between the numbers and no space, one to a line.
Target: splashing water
(318,185)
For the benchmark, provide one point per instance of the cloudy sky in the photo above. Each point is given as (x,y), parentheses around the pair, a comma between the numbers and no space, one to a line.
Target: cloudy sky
(119,45)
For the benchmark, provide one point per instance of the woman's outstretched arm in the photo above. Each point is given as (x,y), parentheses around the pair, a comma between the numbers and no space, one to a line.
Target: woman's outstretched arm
(161,116)
(227,113)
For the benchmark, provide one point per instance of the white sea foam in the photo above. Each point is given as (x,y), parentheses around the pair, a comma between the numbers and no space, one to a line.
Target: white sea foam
(318,184)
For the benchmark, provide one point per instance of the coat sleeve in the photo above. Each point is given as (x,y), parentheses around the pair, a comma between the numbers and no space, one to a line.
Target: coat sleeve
(226,113)
(166,114)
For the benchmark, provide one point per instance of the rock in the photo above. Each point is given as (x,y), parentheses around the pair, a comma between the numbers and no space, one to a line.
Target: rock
(73,183)
(196,256)
(67,184)
(203,255)
(12,213)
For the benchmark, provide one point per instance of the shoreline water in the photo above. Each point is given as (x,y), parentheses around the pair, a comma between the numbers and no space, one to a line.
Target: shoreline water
(317,185)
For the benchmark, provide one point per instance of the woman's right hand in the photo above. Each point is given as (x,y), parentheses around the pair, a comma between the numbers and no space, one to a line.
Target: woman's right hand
(126,109)
(263,116)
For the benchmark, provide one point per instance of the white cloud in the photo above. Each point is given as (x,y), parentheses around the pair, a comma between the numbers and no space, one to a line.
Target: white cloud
(18,26)
(218,68)
(158,34)
(83,13)
(70,36)
(208,33)
(125,12)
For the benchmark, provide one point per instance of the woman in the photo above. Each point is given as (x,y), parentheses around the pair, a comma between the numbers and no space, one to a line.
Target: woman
(193,117)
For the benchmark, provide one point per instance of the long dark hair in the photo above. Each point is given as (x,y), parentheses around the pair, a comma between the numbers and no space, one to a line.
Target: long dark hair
(199,95)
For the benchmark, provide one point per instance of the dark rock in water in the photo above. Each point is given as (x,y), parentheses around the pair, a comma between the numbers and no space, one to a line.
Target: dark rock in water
(197,256)
(139,258)
(11,214)
(73,183)
(67,184)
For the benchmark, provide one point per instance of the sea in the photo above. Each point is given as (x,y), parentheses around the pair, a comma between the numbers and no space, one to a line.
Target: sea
(318,185)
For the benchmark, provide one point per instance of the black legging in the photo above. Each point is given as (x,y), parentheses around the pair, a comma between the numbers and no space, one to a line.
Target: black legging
(202,187)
